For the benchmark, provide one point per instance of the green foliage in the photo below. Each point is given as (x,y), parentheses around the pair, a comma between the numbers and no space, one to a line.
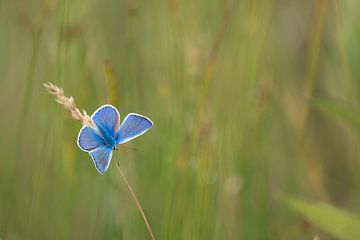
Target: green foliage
(338,110)
(339,223)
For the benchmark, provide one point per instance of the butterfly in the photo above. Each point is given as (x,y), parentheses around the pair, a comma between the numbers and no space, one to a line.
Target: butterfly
(107,133)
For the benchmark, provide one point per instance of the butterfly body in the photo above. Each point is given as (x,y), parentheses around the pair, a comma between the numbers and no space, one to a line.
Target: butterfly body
(107,133)
(108,137)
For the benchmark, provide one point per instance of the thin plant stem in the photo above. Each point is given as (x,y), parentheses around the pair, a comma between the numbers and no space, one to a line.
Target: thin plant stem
(136,201)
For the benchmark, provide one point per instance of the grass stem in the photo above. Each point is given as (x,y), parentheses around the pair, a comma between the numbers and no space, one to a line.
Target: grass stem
(136,201)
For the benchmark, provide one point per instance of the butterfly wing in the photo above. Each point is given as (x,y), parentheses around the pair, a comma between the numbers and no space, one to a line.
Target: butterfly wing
(107,120)
(133,126)
(89,139)
(102,158)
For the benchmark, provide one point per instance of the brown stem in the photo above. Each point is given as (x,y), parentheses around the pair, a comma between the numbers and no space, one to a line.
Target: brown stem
(137,202)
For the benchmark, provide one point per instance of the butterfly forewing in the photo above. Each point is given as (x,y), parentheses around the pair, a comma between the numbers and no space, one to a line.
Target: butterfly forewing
(89,139)
(133,126)
(107,119)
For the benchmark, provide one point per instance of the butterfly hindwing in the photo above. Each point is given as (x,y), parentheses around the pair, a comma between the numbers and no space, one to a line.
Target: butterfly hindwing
(107,120)
(133,126)
(102,158)
(89,139)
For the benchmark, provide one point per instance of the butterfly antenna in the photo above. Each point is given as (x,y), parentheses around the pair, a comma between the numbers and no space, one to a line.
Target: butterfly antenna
(128,147)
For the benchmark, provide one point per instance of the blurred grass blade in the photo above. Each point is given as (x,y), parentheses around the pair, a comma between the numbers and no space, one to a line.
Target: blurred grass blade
(111,84)
(338,110)
(337,222)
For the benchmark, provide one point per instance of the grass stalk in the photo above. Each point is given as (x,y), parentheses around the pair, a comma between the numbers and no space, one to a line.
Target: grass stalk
(111,83)
(136,201)
(316,38)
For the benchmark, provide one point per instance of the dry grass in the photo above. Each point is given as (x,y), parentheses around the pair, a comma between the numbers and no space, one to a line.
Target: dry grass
(69,104)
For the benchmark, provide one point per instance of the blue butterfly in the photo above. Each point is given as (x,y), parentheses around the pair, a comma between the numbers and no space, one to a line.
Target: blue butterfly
(100,141)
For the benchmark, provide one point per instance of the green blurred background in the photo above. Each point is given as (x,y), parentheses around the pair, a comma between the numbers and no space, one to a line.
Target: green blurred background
(256,111)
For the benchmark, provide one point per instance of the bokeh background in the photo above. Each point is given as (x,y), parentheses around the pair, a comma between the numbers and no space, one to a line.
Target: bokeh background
(255,104)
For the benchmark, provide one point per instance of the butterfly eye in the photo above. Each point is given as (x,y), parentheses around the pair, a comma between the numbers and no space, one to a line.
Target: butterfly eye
(115,148)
